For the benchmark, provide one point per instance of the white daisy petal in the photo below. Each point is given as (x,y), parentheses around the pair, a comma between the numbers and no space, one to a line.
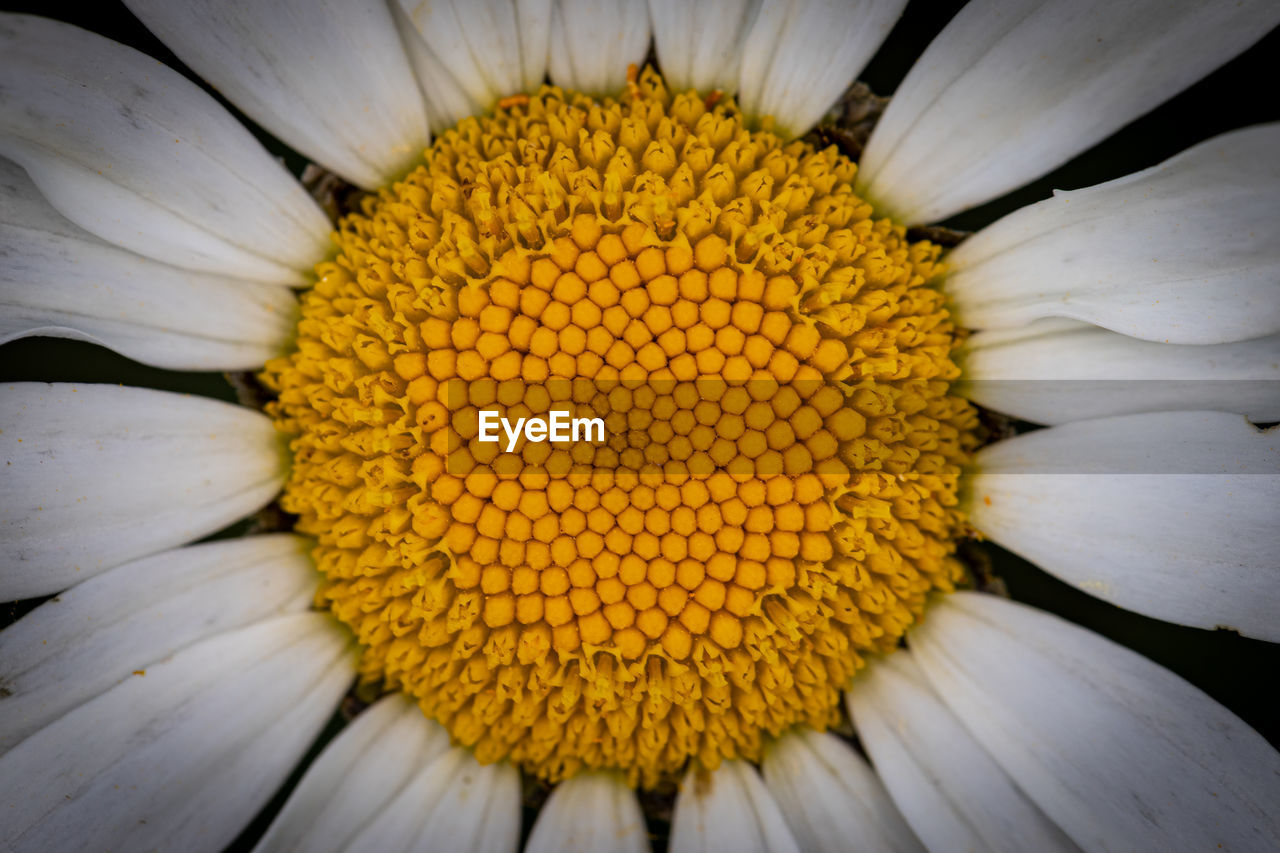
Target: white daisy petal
(58,280)
(831,800)
(476,807)
(329,78)
(491,48)
(93,636)
(699,45)
(1119,752)
(355,777)
(1187,252)
(593,42)
(534,22)
(136,154)
(728,810)
(589,812)
(801,55)
(96,475)
(1053,371)
(1012,88)
(1171,515)
(189,750)
(951,791)
(445,100)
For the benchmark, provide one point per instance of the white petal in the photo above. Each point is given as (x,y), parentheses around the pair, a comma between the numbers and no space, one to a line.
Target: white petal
(593,42)
(93,636)
(184,754)
(356,775)
(58,280)
(728,810)
(831,799)
(951,791)
(140,156)
(453,803)
(589,812)
(96,475)
(1171,515)
(445,100)
(1187,252)
(1012,88)
(1118,751)
(329,78)
(802,54)
(491,48)
(1053,371)
(699,45)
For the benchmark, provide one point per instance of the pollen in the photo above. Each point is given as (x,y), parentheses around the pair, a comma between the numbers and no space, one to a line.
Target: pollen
(775,493)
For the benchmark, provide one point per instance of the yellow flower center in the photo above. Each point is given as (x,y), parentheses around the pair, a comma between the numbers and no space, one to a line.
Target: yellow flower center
(774,494)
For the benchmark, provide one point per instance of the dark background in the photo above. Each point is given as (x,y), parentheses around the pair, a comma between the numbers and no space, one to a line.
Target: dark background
(1236,671)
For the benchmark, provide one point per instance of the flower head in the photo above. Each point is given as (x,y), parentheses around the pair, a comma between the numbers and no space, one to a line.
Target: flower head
(788,456)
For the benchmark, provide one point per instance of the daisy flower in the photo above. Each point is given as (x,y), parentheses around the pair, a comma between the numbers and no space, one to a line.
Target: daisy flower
(756,558)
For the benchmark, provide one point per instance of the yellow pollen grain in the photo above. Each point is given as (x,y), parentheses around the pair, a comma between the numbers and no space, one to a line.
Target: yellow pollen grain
(775,495)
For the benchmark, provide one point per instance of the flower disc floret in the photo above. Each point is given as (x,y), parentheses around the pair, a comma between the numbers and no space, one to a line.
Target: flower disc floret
(775,493)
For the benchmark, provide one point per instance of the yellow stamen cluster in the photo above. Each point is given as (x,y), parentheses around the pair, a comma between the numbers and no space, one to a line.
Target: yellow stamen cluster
(775,493)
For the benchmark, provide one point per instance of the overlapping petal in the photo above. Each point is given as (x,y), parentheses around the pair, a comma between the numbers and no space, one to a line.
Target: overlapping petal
(475,806)
(356,776)
(328,77)
(831,800)
(96,634)
(1186,252)
(1168,514)
(188,749)
(1053,371)
(1118,751)
(699,45)
(728,810)
(476,52)
(950,790)
(594,41)
(789,59)
(588,812)
(60,281)
(97,475)
(801,55)
(1009,90)
(141,157)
